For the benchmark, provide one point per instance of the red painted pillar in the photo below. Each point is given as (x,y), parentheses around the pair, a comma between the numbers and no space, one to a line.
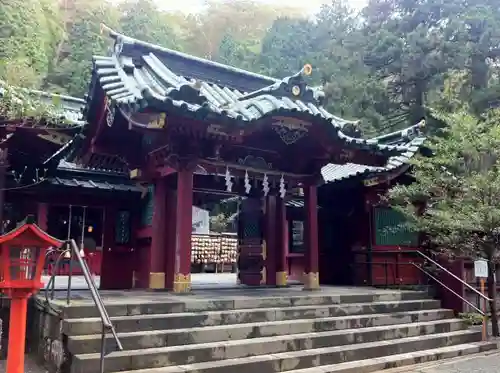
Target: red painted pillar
(281,243)
(42,215)
(158,236)
(184,228)
(171,228)
(17,334)
(271,249)
(311,277)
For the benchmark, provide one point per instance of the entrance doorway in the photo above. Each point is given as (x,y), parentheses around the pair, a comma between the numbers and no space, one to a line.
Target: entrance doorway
(84,225)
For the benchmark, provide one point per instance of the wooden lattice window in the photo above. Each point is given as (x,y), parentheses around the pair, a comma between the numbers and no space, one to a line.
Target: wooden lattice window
(123,229)
(391,229)
(148,207)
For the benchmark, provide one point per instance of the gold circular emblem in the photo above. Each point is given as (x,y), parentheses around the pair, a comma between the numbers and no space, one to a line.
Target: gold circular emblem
(296,90)
(307,69)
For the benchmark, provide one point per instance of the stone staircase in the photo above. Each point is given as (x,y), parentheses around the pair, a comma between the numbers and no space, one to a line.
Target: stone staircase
(306,333)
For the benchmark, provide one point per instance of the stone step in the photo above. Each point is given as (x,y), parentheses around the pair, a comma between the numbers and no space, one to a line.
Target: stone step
(195,319)
(217,362)
(271,345)
(148,305)
(166,338)
(396,361)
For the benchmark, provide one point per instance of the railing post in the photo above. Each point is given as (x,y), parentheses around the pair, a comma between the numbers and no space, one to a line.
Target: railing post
(103,348)
(70,275)
(369,257)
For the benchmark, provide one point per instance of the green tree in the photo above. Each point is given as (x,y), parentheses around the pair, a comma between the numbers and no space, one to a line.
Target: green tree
(413,44)
(72,64)
(245,21)
(460,189)
(29,31)
(237,53)
(352,90)
(287,47)
(477,30)
(141,19)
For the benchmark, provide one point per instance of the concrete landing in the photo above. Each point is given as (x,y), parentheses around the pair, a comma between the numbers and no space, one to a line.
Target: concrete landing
(138,296)
(199,281)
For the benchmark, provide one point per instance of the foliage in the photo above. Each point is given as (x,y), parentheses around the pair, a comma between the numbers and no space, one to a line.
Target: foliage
(387,65)
(26,38)
(18,103)
(237,53)
(471,318)
(460,185)
(460,189)
(223,214)
(83,39)
(142,20)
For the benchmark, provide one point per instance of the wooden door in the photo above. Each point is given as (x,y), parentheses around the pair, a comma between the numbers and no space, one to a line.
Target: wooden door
(251,255)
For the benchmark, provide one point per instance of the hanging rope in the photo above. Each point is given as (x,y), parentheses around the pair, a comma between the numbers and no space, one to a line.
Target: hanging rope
(23,186)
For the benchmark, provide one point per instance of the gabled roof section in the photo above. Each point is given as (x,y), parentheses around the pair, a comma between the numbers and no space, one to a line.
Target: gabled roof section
(140,74)
(410,140)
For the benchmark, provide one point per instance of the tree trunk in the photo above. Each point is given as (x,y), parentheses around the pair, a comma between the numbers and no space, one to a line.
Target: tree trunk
(492,294)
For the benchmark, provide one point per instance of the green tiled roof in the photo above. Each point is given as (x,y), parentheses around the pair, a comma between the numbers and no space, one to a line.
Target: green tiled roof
(410,139)
(139,75)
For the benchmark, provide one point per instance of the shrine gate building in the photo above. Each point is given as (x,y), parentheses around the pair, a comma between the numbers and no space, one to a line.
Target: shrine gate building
(162,130)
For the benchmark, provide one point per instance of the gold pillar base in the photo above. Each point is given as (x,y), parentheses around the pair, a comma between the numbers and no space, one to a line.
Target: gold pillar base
(311,281)
(281,279)
(157,280)
(182,283)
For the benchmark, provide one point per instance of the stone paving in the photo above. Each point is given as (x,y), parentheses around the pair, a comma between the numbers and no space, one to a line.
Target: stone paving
(29,366)
(212,293)
(199,281)
(483,363)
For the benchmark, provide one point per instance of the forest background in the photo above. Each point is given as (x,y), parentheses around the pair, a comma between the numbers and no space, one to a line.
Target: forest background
(389,64)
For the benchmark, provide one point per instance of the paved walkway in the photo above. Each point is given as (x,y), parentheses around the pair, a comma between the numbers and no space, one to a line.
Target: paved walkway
(483,363)
(29,366)
(199,281)
(212,294)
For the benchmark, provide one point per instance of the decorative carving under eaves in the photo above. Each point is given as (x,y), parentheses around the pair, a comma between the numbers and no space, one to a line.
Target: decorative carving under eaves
(346,155)
(371,182)
(158,121)
(255,162)
(181,162)
(290,132)
(216,129)
(148,120)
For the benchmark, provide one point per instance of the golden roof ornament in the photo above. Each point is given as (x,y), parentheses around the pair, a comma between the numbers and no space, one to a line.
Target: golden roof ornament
(307,69)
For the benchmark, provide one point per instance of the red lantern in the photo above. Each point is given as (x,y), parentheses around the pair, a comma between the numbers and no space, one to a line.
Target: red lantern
(22,259)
